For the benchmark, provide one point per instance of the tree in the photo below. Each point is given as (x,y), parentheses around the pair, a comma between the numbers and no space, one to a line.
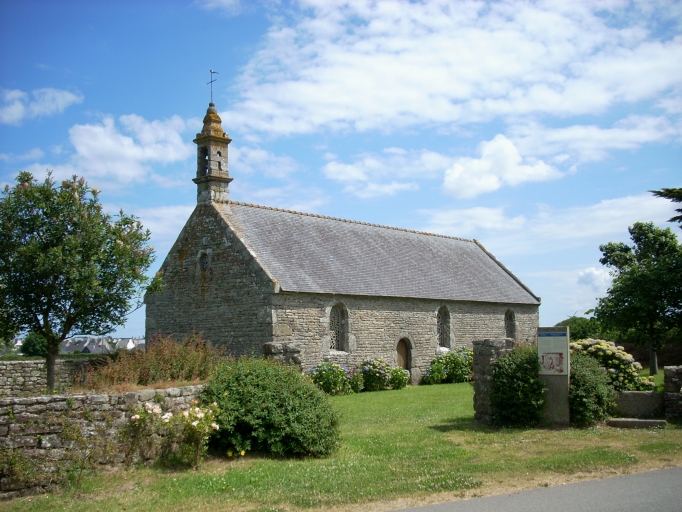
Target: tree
(581,328)
(34,345)
(65,266)
(675,195)
(646,293)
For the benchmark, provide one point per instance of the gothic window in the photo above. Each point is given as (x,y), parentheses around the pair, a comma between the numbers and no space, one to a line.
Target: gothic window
(337,328)
(443,327)
(203,262)
(509,324)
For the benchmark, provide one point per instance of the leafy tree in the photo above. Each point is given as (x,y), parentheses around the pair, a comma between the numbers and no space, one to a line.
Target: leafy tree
(581,328)
(65,266)
(34,345)
(675,195)
(646,293)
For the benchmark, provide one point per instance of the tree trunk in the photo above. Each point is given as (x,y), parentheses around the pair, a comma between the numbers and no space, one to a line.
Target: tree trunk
(52,353)
(653,360)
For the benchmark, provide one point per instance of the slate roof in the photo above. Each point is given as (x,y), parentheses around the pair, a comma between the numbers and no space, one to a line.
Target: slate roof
(318,254)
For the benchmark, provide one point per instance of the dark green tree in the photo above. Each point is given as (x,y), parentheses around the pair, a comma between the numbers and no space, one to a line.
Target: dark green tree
(646,293)
(675,195)
(34,345)
(65,266)
(581,328)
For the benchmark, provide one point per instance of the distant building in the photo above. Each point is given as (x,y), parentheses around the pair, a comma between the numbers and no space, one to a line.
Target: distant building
(255,278)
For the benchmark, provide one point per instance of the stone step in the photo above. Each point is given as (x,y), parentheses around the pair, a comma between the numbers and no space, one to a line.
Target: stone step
(634,423)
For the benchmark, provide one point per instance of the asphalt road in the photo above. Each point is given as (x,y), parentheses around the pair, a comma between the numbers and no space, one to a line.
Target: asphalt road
(654,491)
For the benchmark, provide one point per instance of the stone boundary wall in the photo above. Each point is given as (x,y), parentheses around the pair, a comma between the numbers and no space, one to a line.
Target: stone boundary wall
(672,390)
(640,404)
(486,352)
(35,425)
(29,377)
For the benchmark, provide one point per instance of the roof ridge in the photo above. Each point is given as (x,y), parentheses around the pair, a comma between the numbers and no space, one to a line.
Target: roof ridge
(241,203)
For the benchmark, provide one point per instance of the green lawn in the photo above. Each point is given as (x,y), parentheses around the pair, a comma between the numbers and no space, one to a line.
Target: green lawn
(399,447)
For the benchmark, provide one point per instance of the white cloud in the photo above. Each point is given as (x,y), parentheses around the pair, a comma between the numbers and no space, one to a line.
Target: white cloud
(390,64)
(164,223)
(589,143)
(247,160)
(548,229)
(18,105)
(500,164)
(33,154)
(121,153)
(596,278)
(374,174)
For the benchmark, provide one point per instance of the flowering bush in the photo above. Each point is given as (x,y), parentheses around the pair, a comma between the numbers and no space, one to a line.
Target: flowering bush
(399,378)
(591,398)
(622,368)
(357,381)
(332,378)
(179,439)
(376,374)
(455,366)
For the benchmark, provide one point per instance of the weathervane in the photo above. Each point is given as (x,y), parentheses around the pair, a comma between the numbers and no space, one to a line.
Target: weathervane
(211,82)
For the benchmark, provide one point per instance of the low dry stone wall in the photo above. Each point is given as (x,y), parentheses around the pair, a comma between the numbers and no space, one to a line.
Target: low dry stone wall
(486,352)
(673,391)
(41,427)
(29,377)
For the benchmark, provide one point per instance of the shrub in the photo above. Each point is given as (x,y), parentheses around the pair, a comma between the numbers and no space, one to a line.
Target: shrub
(172,440)
(455,366)
(376,374)
(399,378)
(435,372)
(516,390)
(621,366)
(267,406)
(332,378)
(357,382)
(164,360)
(591,397)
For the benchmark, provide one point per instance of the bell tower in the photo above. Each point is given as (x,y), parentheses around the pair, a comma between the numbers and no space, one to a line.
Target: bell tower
(213,176)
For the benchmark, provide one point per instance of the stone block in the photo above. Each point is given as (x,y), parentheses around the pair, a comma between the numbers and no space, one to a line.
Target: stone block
(640,404)
(144,395)
(98,399)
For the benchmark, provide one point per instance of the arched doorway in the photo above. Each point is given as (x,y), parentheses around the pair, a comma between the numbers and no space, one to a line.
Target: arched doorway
(403,350)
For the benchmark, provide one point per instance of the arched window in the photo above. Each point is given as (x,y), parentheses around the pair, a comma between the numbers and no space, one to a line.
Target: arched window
(202,162)
(443,327)
(509,324)
(338,320)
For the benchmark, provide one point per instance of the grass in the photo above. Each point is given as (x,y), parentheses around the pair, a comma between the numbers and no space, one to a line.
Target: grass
(400,448)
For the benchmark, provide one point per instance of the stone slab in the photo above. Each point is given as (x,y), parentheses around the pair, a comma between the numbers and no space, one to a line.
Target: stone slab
(634,423)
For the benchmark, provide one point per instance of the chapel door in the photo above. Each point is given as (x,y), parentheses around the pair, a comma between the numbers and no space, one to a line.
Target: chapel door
(402,349)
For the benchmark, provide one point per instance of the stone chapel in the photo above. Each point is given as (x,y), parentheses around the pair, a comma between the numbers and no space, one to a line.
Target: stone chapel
(307,287)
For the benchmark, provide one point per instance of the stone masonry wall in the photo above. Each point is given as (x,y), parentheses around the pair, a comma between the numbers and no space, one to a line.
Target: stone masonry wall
(29,377)
(35,425)
(672,389)
(486,352)
(376,324)
(214,286)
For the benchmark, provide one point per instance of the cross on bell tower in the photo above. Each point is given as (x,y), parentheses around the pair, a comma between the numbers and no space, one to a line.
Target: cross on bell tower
(213,176)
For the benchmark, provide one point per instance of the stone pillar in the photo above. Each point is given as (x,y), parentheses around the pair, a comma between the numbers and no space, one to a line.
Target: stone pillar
(486,352)
(672,390)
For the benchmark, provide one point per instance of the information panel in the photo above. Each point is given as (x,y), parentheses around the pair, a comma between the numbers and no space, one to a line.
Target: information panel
(553,351)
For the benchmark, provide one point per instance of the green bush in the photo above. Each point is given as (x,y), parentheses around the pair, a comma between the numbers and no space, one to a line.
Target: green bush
(34,345)
(591,398)
(399,378)
(332,378)
(267,406)
(435,372)
(516,390)
(376,374)
(455,366)
(357,382)
(622,368)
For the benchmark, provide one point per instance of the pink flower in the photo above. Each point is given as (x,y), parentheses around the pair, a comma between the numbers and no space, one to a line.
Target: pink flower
(135,417)
(185,414)
(195,423)
(214,426)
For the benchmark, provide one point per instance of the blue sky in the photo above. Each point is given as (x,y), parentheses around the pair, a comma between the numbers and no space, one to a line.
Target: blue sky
(535,127)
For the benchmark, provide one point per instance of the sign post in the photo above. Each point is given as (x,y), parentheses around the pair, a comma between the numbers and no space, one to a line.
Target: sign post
(555,369)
